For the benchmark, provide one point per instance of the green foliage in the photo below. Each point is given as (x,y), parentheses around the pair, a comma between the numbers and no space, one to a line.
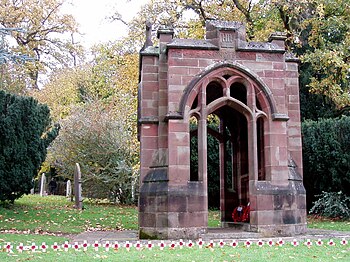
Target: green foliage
(25,133)
(326,156)
(313,106)
(97,106)
(328,39)
(213,165)
(332,204)
(99,141)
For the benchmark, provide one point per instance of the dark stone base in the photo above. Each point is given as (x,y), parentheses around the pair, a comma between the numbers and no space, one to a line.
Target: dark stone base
(279,230)
(168,211)
(171,233)
(171,211)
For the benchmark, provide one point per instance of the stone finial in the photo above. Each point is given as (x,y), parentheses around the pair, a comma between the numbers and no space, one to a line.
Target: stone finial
(279,36)
(148,41)
(165,30)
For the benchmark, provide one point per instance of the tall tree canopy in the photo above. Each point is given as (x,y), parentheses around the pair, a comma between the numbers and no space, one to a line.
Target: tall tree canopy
(46,35)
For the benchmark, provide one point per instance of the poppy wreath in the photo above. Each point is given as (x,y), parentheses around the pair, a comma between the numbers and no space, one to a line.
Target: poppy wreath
(241,213)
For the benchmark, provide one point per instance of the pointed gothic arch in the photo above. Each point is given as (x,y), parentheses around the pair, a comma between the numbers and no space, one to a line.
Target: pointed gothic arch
(235,73)
(224,101)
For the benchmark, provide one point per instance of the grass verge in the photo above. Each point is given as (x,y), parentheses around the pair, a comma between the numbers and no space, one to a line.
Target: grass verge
(328,224)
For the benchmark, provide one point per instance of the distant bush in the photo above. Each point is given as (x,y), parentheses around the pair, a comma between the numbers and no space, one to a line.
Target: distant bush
(326,156)
(25,133)
(332,204)
(100,142)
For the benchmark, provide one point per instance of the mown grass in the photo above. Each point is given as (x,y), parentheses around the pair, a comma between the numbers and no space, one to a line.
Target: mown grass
(328,224)
(57,214)
(240,253)
(214,218)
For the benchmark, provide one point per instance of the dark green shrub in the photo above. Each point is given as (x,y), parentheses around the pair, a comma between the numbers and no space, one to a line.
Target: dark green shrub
(25,133)
(326,156)
(332,204)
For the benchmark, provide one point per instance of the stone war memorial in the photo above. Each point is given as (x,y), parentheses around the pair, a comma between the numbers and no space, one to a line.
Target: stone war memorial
(251,90)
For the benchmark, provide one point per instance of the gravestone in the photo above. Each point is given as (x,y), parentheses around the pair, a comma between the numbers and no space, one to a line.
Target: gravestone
(77,187)
(43,185)
(252,90)
(68,188)
(32,191)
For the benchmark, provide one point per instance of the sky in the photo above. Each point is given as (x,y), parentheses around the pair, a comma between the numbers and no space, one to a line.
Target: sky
(91,16)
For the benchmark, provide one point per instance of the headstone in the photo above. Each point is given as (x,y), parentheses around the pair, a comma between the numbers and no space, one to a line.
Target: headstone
(68,189)
(43,185)
(77,187)
(32,191)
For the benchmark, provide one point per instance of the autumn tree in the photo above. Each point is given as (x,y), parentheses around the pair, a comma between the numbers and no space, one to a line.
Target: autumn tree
(65,90)
(98,140)
(46,35)
(328,51)
(96,105)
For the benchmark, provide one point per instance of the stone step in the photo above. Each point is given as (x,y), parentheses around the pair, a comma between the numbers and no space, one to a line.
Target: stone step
(235,231)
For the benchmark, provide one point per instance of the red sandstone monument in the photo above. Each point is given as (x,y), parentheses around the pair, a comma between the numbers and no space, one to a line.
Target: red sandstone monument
(252,89)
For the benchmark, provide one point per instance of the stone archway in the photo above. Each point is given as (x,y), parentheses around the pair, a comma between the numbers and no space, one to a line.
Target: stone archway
(253,89)
(231,96)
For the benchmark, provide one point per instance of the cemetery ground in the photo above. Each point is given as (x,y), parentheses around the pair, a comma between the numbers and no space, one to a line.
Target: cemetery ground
(35,219)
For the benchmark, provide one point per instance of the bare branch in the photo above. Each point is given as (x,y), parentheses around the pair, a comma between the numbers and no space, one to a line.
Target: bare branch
(117,17)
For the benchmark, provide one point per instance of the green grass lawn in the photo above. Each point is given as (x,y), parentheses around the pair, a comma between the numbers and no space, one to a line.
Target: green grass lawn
(56,214)
(328,224)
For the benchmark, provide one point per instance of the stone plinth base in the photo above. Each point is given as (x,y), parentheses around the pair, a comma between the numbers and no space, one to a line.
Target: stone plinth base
(171,233)
(279,230)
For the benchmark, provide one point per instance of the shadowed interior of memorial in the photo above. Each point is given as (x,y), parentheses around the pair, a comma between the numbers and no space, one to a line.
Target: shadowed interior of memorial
(227,151)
